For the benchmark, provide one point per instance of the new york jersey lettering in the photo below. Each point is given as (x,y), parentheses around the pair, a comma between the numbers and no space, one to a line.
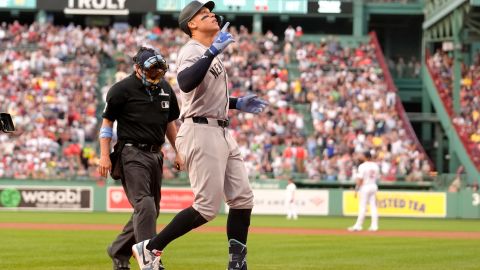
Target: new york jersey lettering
(216,69)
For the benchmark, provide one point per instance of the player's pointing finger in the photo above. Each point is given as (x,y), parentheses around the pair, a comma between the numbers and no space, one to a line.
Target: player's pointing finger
(225,27)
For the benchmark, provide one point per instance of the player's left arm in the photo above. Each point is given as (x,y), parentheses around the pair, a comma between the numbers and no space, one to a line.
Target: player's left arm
(171,136)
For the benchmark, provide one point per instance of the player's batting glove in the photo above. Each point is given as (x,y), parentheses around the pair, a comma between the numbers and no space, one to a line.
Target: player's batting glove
(221,41)
(251,103)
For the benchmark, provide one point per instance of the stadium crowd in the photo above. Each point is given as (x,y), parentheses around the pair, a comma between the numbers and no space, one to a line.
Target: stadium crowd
(354,112)
(49,83)
(48,77)
(467,120)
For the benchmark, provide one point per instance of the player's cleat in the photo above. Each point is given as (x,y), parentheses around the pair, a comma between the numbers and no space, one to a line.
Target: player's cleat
(118,264)
(354,229)
(238,255)
(373,229)
(147,260)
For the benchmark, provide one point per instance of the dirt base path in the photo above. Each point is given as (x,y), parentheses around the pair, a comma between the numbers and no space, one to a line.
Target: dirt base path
(258,230)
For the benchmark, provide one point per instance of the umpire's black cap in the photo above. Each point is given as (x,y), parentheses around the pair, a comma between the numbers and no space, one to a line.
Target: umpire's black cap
(189,11)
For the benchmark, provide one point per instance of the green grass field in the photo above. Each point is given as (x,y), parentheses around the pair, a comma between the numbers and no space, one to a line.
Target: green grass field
(85,249)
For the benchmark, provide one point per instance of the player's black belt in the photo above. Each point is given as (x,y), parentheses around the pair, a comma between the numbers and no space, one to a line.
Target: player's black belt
(154,148)
(204,120)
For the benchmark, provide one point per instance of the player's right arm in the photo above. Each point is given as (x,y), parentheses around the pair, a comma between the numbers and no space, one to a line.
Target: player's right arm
(191,77)
(191,73)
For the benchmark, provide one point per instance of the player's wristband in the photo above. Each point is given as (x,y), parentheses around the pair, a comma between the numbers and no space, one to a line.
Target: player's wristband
(106,132)
(214,51)
(232,102)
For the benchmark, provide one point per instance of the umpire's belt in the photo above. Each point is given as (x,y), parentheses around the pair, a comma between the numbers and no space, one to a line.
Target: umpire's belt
(153,148)
(207,121)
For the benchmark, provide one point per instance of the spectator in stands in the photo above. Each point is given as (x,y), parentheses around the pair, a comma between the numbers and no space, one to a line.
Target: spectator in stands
(290,34)
(474,187)
(456,184)
(121,71)
(298,31)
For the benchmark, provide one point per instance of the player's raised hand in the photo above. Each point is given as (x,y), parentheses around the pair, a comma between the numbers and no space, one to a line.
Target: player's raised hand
(221,41)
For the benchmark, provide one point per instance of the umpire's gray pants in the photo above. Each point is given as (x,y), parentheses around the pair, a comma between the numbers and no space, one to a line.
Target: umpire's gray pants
(142,179)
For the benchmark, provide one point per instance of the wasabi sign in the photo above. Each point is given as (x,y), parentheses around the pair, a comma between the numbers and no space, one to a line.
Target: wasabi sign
(46,198)
(242,6)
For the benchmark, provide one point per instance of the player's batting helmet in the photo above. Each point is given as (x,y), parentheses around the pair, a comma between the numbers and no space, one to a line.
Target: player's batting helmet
(189,11)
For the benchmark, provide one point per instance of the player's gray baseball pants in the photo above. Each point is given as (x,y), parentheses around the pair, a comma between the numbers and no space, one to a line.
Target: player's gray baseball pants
(215,167)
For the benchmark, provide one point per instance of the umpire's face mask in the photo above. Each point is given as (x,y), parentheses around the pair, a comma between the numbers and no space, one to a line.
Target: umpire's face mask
(152,70)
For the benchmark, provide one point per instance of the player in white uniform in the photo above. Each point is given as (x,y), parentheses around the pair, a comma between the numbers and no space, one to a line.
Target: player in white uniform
(290,200)
(367,177)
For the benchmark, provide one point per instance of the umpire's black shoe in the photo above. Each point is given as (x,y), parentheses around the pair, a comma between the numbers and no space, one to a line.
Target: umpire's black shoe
(117,263)
(238,255)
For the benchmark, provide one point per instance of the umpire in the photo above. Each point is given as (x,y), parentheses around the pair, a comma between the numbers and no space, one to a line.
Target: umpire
(145,108)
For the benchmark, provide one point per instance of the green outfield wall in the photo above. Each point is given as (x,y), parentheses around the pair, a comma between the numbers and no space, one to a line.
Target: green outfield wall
(89,196)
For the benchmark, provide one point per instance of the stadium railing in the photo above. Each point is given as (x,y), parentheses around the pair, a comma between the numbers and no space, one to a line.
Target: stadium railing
(345,41)
(391,86)
(424,185)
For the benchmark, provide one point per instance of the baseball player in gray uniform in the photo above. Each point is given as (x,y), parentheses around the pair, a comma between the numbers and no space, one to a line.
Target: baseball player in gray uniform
(210,154)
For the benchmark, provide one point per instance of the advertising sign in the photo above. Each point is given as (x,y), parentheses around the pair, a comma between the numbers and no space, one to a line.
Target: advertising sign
(309,202)
(173,200)
(242,6)
(17,4)
(330,7)
(401,204)
(97,7)
(46,198)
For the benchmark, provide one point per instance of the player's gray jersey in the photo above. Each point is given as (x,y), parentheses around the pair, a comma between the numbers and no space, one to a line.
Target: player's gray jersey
(210,98)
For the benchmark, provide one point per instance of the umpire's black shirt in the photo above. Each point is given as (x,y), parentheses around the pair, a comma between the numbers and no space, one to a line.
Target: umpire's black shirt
(142,116)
